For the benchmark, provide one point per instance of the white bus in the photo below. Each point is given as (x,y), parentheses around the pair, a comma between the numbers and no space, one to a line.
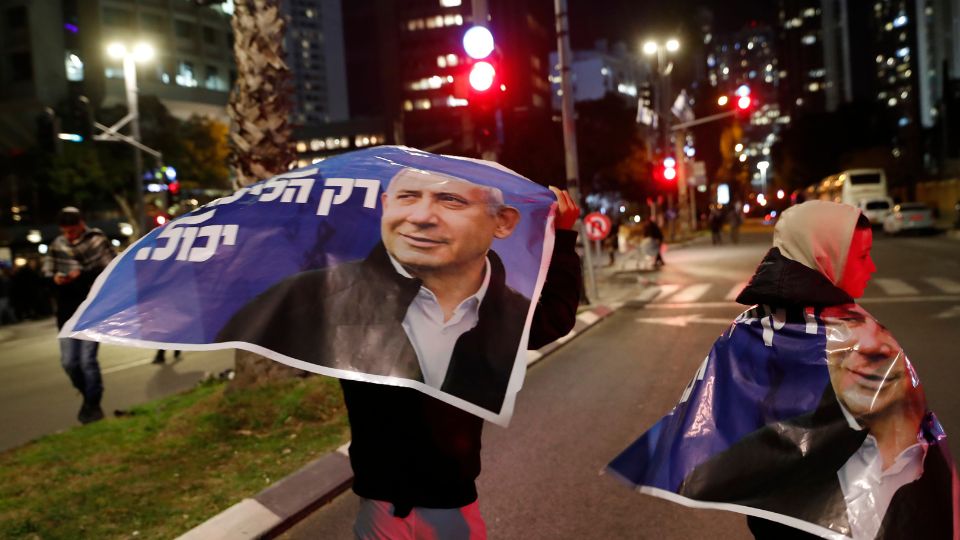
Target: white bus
(851,187)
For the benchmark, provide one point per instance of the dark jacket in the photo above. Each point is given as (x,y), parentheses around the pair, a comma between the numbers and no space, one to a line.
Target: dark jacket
(413,450)
(351,317)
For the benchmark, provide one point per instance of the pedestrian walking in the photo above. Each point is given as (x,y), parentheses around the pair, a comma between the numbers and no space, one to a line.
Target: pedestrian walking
(735,219)
(716,224)
(7,313)
(74,260)
(653,232)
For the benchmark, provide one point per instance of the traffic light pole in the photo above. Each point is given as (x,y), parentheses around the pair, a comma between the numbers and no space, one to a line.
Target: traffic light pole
(570,133)
(687,207)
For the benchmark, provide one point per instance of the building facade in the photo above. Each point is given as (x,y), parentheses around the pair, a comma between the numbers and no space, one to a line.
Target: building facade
(52,50)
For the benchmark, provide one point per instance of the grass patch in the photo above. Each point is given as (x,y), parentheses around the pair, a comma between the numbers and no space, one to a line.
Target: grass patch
(171,465)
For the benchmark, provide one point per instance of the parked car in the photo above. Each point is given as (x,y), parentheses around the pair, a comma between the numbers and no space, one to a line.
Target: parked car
(876,209)
(909,217)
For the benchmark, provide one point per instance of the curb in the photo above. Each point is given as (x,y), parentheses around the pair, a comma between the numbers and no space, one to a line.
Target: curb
(279,507)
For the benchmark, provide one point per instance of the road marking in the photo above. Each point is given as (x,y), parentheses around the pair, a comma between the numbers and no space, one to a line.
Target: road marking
(126,366)
(647,294)
(873,300)
(691,293)
(664,291)
(735,291)
(945,285)
(950,313)
(895,287)
(682,320)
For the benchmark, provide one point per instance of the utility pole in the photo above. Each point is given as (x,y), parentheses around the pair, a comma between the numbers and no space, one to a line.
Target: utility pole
(570,132)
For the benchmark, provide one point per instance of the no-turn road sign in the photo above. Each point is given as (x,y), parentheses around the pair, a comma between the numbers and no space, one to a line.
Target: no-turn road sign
(597,225)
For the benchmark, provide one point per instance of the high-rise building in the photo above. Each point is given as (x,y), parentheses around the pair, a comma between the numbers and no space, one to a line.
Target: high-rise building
(315,55)
(745,63)
(814,52)
(51,50)
(600,71)
(406,65)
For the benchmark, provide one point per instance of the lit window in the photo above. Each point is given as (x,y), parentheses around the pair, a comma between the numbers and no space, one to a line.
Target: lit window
(888,27)
(309,13)
(344,142)
(813,87)
(450,3)
(809,39)
(422,104)
(903,121)
(408,105)
(750,46)
(442,61)
(904,94)
(458,20)
(456,102)
(879,58)
(185,75)
(317,144)
(901,20)
(301,147)
(74,67)
(452,59)
(892,102)
(903,52)
(810,12)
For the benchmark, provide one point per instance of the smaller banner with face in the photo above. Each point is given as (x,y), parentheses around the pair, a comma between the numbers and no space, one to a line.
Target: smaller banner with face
(813,418)
(387,265)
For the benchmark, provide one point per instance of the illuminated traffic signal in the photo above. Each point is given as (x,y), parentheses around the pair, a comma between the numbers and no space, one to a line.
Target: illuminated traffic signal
(666,170)
(743,100)
(669,169)
(479,45)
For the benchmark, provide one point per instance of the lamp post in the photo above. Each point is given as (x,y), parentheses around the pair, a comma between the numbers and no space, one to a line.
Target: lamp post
(141,52)
(762,166)
(652,48)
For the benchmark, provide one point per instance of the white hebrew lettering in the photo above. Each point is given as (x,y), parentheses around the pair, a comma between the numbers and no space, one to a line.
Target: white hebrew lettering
(329,198)
(300,188)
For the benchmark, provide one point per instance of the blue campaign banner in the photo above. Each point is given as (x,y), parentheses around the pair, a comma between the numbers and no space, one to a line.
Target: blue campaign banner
(308,269)
(813,418)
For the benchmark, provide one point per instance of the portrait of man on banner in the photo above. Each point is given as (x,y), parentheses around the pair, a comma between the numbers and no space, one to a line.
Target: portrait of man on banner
(429,303)
(863,463)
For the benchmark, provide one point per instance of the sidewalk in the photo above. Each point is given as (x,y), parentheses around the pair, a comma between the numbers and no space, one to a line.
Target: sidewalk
(280,506)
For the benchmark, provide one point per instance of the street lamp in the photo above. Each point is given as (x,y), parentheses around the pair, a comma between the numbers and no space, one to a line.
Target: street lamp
(763,166)
(141,52)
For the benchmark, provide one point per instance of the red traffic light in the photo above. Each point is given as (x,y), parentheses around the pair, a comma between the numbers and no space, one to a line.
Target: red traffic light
(744,103)
(482,76)
(174,188)
(666,170)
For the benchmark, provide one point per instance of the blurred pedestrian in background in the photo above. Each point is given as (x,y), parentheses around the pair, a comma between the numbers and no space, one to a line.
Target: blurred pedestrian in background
(7,314)
(653,232)
(716,224)
(735,219)
(74,260)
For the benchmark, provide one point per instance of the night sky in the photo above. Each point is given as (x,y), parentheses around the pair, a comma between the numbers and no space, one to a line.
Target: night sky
(632,21)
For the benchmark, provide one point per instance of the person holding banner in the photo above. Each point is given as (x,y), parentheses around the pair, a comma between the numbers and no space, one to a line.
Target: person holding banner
(807,415)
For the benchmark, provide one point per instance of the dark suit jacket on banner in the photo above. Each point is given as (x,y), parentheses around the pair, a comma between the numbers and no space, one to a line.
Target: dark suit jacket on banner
(790,468)
(350,317)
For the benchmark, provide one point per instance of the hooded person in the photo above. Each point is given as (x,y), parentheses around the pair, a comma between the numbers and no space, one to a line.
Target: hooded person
(806,415)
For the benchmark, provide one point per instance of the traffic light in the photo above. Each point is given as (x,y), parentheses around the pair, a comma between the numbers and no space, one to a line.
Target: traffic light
(479,45)
(743,101)
(666,169)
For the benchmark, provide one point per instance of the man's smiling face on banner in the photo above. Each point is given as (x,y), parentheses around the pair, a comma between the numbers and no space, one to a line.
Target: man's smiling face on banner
(436,223)
(868,369)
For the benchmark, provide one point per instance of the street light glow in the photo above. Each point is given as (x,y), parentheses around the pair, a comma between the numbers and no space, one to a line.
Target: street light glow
(738,148)
(673,45)
(762,165)
(143,52)
(116,50)
(722,101)
(650,48)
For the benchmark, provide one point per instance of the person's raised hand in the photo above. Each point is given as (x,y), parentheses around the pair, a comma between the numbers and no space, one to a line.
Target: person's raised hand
(567,211)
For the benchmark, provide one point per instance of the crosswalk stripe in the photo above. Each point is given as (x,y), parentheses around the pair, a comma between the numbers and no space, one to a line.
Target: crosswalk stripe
(691,293)
(946,285)
(647,294)
(895,287)
(735,291)
(664,291)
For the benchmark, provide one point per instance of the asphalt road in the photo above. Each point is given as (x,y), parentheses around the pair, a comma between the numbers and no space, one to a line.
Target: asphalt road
(36,397)
(586,402)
